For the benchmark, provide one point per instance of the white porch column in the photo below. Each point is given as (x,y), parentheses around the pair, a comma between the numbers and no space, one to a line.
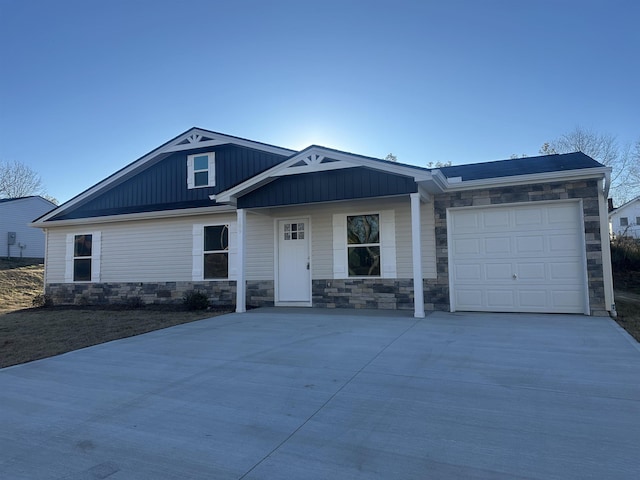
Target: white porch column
(241,284)
(416,251)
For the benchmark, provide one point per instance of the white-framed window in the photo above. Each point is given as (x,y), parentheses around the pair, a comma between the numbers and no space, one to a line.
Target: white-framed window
(83,257)
(216,252)
(624,221)
(201,170)
(364,245)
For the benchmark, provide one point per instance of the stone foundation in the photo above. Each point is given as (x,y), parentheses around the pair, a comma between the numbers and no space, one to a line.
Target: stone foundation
(378,293)
(221,293)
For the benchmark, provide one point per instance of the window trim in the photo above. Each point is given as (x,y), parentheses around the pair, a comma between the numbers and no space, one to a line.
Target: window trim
(96,248)
(191,171)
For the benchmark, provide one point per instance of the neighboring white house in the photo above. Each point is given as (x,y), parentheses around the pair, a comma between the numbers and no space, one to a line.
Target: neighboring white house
(625,220)
(17,238)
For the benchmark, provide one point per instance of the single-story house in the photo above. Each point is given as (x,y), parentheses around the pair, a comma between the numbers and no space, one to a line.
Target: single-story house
(625,220)
(17,238)
(253,224)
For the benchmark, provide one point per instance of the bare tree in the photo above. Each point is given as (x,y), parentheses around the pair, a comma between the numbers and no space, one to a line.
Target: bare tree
(19,180)
(391,157)
(605,149)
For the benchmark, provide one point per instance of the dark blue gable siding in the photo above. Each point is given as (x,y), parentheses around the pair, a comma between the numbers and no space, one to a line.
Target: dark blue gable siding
(345,184)
(162,185)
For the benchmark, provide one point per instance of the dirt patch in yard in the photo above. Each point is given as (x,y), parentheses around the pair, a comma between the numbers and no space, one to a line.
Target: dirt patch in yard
(31,334)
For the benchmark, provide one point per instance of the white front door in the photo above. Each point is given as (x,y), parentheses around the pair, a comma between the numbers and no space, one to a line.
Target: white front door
(294,262)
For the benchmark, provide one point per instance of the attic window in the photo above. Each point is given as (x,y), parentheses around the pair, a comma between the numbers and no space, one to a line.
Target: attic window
(201,170)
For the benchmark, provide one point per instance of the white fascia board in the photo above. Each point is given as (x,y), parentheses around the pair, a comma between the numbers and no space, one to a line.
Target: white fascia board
(526,179)
(344,159)
(127,217)
(171,146)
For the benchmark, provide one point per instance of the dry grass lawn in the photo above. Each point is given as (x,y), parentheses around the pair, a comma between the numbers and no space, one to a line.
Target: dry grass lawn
(20,281)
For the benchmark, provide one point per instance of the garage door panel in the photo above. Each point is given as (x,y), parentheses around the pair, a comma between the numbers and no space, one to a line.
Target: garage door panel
(468,272)
(499,271)
(466,222)
(495,219)
(566,271)
(563,243)
(528,217)
(467,298)
(498,245)
(499,299)
(567,299)
(533,298)
(529,244)
(531,271)
(518,258)
(466,246)
(563,215)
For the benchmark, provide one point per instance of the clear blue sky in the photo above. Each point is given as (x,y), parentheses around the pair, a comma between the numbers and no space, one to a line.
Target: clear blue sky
(87,86)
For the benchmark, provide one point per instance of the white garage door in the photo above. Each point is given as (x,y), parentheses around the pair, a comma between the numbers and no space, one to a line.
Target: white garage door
(525,258)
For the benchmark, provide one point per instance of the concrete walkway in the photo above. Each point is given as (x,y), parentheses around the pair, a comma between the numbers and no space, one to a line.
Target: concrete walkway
(316,394)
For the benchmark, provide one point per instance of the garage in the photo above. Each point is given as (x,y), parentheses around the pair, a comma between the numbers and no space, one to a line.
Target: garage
(518,258)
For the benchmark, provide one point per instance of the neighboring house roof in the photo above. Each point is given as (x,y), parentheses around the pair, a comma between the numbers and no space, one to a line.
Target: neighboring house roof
(618,210)
(5,200)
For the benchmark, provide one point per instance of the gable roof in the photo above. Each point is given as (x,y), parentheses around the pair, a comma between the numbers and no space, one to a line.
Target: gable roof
(194,138)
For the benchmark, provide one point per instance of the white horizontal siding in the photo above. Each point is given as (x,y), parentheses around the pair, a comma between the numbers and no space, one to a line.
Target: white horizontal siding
(162,250)
(259,247)
(137,251)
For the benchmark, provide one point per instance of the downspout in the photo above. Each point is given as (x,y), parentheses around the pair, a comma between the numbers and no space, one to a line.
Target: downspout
(607,273)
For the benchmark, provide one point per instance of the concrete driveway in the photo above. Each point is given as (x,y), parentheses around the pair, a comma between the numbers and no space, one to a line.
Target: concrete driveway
(306,394)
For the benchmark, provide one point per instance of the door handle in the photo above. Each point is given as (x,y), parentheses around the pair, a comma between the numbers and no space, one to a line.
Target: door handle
(307,265)
(515,277)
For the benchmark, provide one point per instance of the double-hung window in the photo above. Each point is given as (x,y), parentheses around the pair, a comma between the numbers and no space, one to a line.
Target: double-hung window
(83,257)
(624,221)
(82,249)
(216,251)
(363,245)
(201,170)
